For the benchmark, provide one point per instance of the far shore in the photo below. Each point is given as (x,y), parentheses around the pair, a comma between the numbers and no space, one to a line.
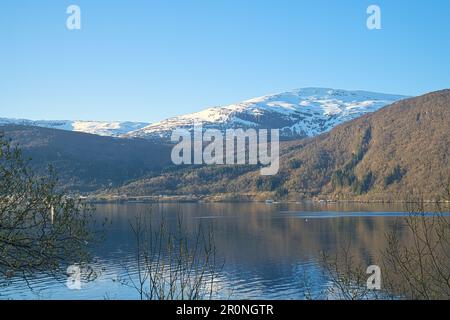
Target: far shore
(231,199)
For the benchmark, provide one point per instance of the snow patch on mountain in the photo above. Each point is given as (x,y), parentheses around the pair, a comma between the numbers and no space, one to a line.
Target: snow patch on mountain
(102,128)
(298,113)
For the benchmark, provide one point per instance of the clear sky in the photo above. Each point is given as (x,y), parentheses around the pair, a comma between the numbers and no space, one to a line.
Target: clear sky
(149,60)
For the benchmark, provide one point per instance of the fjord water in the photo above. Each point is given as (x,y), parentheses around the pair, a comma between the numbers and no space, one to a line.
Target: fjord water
(267,250)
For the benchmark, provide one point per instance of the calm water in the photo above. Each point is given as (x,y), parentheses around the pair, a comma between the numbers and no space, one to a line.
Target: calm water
(266,249)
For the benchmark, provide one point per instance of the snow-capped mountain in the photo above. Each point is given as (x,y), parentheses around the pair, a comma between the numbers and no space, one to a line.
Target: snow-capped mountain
(299,113)
(102,128)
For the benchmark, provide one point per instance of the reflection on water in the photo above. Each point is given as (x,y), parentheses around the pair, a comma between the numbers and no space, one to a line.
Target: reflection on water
(267,249)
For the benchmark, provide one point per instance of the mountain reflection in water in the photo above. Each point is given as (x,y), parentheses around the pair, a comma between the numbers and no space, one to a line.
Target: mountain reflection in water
(266,250)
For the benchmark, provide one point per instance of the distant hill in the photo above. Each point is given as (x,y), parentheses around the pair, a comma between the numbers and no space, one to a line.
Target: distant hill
(86,162)
(387,155)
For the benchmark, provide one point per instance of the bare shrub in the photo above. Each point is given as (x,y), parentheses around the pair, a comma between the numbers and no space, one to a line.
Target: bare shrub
(172,265)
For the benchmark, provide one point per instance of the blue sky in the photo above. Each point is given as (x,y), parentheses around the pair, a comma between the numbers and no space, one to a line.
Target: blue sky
(149,60)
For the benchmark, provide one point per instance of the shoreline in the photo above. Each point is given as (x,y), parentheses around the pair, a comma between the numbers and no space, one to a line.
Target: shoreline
(220,199)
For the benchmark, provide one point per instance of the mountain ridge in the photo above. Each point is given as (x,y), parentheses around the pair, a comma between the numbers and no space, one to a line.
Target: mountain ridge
(297,113)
